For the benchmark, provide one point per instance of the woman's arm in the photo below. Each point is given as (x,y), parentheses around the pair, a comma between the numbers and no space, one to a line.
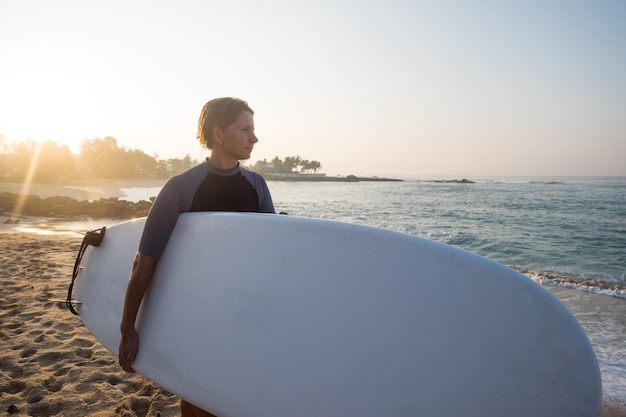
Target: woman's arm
(140,277)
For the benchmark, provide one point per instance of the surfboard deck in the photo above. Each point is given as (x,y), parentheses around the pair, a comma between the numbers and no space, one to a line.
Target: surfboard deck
(256,315)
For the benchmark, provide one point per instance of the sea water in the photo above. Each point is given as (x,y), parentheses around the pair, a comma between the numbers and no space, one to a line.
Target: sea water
(567,227)
(567,233)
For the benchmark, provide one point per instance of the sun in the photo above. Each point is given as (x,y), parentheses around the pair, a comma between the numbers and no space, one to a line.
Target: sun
(50,102)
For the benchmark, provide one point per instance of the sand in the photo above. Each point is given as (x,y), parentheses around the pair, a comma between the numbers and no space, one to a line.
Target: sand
(50,363)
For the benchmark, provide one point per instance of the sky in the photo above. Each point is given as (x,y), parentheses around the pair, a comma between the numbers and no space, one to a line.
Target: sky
(394,87)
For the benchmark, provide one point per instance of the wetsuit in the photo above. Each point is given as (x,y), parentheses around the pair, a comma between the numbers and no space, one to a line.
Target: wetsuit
(202,188)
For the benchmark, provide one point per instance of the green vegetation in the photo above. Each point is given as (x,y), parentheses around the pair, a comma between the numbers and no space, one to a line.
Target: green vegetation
(49,162)
(98,158)
(291,164)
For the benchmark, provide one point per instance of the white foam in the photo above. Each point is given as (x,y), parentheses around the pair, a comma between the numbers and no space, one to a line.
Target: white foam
(618,293)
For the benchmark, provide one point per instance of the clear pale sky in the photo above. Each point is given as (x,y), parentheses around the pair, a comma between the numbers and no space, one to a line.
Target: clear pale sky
(365,87)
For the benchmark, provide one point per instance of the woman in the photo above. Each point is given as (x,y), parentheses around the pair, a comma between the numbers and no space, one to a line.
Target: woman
(226,128)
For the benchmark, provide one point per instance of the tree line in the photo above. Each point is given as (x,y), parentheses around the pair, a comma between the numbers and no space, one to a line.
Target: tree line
(98,158)
(105,158)
(289,165)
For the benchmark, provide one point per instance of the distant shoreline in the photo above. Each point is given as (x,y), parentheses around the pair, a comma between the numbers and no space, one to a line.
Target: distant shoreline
(349,178)
(81,189)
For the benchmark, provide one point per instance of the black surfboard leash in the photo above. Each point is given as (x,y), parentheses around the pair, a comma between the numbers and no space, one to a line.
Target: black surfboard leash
(92,238)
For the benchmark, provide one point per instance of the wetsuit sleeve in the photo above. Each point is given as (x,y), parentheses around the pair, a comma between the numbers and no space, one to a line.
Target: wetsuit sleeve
(162,219)
(266,205)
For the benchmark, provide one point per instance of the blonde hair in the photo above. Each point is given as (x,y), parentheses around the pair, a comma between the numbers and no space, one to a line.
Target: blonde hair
(219,112)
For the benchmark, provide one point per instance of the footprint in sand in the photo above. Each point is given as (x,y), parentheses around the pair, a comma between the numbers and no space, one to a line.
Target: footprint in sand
(47,359)
(80,342)
(28,352)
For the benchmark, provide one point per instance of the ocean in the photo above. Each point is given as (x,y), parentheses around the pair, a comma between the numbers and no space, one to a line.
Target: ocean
(568,229)
(567,233)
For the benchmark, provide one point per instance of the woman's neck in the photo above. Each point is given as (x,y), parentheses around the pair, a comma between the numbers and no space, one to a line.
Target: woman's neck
(220,162)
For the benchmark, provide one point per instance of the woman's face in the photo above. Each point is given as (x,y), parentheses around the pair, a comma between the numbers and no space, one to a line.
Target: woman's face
(238,139)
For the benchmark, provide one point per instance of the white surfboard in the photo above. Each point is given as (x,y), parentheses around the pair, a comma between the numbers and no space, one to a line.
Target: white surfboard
(256,315)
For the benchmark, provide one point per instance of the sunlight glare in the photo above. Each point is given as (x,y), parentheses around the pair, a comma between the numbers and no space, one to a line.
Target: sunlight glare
(19,204)
(48,102)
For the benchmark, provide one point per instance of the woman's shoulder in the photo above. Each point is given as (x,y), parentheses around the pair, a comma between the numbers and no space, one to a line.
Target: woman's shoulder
(199,170)
(251,175)
(185,180)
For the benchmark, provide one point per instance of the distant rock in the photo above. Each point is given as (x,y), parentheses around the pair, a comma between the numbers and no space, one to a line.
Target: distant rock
(463,181)
(324,178)
(33,205)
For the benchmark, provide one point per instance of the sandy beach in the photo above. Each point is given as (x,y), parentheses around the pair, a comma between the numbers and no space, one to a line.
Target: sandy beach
(51,364)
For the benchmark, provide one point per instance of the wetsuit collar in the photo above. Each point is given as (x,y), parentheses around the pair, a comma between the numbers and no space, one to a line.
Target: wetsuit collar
(223,172)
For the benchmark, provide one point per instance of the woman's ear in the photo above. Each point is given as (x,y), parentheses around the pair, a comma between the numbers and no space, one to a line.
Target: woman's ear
(217,135)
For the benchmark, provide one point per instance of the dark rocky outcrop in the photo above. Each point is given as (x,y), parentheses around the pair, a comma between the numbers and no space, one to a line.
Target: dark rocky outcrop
(33,205)
(463,181)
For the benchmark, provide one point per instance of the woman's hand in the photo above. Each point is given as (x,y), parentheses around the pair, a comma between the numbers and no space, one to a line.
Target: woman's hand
(129,346)
(140,277)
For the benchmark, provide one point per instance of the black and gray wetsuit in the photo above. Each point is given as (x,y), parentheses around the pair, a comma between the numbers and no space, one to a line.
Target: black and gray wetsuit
(202,188)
